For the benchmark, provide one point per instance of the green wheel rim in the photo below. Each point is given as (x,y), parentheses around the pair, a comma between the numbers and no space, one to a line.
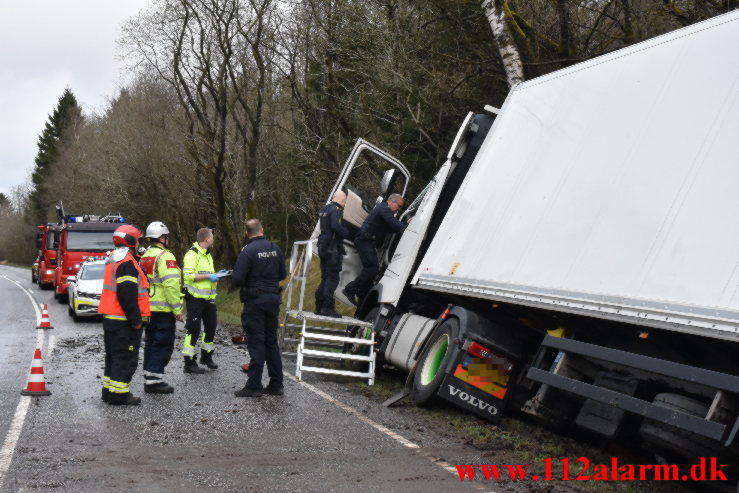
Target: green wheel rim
(434,359)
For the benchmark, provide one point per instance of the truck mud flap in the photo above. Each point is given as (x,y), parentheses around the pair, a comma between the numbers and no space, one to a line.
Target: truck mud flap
(471,398)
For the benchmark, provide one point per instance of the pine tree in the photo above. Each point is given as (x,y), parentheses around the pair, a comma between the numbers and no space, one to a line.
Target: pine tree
(66,113)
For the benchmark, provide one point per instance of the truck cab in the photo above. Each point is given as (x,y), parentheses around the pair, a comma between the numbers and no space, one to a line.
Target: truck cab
(80,241)
(369,176)
(47,238)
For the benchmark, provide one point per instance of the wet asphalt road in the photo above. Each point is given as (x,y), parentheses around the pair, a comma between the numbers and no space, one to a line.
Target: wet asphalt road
(201,437)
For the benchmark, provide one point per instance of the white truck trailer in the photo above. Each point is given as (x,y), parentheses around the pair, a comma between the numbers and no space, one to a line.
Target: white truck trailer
(577,255)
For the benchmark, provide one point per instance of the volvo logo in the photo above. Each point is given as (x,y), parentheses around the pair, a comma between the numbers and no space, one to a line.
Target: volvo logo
(472,400)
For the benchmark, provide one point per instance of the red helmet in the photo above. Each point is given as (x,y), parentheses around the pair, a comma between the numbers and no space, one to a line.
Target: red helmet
(126,235)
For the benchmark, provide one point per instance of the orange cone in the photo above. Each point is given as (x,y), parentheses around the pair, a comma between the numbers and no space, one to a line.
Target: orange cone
(45,324)
(36,384)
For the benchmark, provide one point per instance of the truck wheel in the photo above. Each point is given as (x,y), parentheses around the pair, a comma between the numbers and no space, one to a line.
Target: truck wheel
(430,369)
(675,441)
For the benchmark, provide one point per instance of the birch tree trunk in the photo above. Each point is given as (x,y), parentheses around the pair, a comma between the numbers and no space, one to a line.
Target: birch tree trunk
(506,44)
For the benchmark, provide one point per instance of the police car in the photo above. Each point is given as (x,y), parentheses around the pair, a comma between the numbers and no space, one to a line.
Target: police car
(85,289)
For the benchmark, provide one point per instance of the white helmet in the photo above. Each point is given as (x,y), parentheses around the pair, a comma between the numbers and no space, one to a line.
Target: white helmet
(156,230)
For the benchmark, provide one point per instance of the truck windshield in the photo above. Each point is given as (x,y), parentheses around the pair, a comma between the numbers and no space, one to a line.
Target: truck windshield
(92,272)
(89,241)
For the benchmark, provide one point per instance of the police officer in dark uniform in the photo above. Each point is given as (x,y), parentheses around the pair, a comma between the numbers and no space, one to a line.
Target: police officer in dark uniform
(378,224)
(330,251)
(258,271)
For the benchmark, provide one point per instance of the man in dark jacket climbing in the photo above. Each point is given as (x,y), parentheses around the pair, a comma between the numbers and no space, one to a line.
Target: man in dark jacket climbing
(378,224)
(331,252)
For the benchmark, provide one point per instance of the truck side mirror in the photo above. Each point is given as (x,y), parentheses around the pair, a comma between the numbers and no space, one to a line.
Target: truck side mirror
(388,180)
(38,243)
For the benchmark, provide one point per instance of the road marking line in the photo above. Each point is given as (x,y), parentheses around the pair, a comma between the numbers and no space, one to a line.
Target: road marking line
(30,296)
(11,439)
(14,432)
(395,436)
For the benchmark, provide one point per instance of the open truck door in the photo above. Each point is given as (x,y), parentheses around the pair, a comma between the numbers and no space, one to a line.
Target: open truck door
(369,176)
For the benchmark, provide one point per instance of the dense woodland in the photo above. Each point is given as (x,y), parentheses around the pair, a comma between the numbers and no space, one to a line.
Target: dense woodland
(243,108)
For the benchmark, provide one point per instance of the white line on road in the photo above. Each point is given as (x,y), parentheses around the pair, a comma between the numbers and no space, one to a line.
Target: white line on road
(11,439)
(14,433)
(50,346)
(395,436)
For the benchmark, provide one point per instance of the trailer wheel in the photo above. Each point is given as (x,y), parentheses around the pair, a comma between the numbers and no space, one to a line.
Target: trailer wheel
(668,439)
(430,369)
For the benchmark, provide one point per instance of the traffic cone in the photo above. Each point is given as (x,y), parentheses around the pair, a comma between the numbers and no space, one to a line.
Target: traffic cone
(36,384)
(45,324)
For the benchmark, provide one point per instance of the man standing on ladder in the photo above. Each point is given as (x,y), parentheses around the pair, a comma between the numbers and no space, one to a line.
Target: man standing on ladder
(378,224)
(330,251)
(200,298)
(165,295)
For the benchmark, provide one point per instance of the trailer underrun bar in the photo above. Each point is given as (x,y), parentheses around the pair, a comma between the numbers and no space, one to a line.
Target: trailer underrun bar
(695,424)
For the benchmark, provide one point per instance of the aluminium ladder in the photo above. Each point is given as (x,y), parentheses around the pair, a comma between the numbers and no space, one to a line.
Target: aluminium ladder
(317,340)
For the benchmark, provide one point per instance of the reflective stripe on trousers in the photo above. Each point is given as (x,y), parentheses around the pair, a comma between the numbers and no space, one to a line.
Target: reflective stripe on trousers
(188,348)
(206,346)
(118,387)
(151,378)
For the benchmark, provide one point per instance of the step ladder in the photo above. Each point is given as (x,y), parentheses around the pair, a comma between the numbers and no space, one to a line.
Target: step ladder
(318,338)
(317,335)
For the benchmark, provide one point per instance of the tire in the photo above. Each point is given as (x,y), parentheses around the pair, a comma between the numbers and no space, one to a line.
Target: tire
(436,355)
(70,311)
(678,442)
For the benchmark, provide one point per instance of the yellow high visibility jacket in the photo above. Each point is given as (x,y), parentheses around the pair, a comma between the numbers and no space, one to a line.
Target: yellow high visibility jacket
(165,281)
(198,261)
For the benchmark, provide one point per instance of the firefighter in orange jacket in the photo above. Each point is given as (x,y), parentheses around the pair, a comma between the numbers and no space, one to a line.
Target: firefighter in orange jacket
(124,305)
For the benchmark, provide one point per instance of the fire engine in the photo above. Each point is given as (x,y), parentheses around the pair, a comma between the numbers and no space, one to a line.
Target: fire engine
(81,238)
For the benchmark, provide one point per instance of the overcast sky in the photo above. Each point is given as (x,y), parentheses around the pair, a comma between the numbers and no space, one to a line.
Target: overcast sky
(45,46)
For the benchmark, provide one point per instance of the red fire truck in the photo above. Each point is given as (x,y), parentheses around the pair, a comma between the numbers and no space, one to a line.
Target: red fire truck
(47,237)
(81,238)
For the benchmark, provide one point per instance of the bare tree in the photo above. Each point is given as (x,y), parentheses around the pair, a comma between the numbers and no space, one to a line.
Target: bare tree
(212,52)
(496,15)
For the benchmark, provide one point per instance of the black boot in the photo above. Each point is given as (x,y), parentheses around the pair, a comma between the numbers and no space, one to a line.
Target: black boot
(105,394)
(158,388)
(126,399)
(330,312)
(351,296)
(247,392)
(206,358)
(274,390)
(191,366)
